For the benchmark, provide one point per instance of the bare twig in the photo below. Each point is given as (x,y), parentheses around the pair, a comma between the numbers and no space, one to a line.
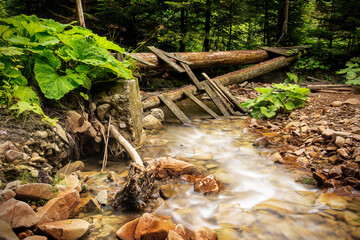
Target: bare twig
(106,140)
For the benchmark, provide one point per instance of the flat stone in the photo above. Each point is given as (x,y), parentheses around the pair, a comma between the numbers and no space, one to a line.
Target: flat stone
(184,232)
(70,229)
(274,205)
(12,155)
(341,134)
(336,103)
(88,204)
(12,185)
(72,182)
(127,231)
(172,235)
(107,232)
(205,233)
(17,214)
(6,194)
(34,191)
(6,233)
(335,201)
(327,133)
(166,192)
(41,134)
(352,101)
(36,237)
(59,208)
(151,122)
(351,218)
(153,227)
(166,165)
(340,141)
(262,142)
(343,152)
(73,167)
(209,184)
(102,197)
(59,130)
(158,113)
(276,158)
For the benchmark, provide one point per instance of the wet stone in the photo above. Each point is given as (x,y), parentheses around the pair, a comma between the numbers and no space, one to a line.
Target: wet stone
(166,192)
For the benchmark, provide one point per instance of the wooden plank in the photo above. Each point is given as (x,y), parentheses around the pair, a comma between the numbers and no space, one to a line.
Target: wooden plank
(175,57)
(231,98)
(201,104)
(279,51)
(174,109)
(163,57)
(139,59)
(223,99)
(215,99)
(216,88)
(191,74)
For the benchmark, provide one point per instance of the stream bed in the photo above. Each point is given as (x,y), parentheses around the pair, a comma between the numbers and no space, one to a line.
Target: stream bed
(261,199)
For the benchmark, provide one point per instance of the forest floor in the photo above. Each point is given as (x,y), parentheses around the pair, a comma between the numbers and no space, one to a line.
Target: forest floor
(323,137)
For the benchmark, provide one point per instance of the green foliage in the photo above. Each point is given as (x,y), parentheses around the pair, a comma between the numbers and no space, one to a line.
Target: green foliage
(291,77)
(280,98)
(352,71)
(305,63)
(58,58)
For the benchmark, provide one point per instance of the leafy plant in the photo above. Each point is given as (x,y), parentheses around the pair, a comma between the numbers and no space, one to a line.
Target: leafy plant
(291,77)
(352,71)
(280,98)
(309,63)
(58,58)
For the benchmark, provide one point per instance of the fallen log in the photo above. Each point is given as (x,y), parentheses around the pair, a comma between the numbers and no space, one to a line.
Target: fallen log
(227,79)
(206,59)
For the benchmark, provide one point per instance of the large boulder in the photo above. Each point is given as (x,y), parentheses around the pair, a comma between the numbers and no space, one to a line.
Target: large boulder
(6,233)
(72,182)
(34,191)
(151,122)
(205,233)
(71,229)
(59,208)
(127,231)
(153,227)
(6,195)
(17,214)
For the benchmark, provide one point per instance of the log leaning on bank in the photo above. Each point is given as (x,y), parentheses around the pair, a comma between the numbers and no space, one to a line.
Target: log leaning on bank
(207,59)
(227,79)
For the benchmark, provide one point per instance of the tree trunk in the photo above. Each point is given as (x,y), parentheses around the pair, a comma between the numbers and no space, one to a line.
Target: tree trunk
(207,26)
(284,28)
(183,15)
(80,13)
(208,59)
(227,79)
(266,25)
(230,23)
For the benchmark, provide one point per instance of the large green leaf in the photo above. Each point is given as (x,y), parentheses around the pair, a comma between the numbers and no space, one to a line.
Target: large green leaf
(5,32)
(11,51)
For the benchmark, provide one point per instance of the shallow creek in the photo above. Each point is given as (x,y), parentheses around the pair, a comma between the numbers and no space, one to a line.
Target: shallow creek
(261,199)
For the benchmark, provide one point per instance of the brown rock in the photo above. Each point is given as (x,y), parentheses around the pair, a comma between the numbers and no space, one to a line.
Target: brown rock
(36,237)
(276,158)
(87,204)
(71,229)
(13,155)
(166,191)
(6,195)
(72,182)
(335,201)
(356,152)
(319,178)
(341,134)
(153,227)
(6,146)
(262,142)
(327,134)
(336,103)
(17,214)
(72,167)
(335,172)
(205,233)
(289,157)
(127,231)
(151,122)
(339,141)
(184,232)
(34,191)
(349,141)
(6,233)
(59,208)
(168,167)
(343,152)
(209,184)
(352,101)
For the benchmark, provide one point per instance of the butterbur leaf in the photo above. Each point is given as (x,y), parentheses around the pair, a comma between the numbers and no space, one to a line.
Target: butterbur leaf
(5,32)
(263,90)
(45,39)
(32,27)
(268,112)
(11,51)
(103,42)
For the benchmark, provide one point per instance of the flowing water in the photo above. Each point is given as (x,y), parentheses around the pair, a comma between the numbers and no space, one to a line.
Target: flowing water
(261,199)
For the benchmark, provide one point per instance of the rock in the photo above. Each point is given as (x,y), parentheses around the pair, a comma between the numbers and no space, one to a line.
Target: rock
(127,231)
(327,134)
(6,233)
(341,134)
(205,233)
(352,101)
(303,161)
(151,122)
(17,214)
(169,167)
(36,237)
(343,152)
(73,167)
(274,205)
(59,208)
(34,173)
(72,182)
(172,235)
(153,227)
(102,110)
(107,232)
(336,103)
(335,201)
(184,232)
(339,141)
(6,146)
(158,113)
(14,184)
(41,134)
(88,204)
(12,155)
(114,177)
(59,130)
(276,158)
(262,142)
(166,191)
(34,191)
(6,195)
(70,229)
(102,197)
(351,218)
(319,178)
(355,233)
(209,184)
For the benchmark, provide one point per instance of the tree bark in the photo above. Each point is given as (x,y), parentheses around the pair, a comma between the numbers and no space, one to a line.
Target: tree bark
(227,79)
(80,13)
(207,59)
(207,26)
(266,25)
(183,15)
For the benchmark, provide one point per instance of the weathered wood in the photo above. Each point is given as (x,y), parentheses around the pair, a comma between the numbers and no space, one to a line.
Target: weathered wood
(163,57)
(174,109)
(227,79)
(191,75)
(215,99)
(223,99)
(216,88)
(279,51)
(208,59)
(201,104)
(131,55)
(231,98)
(314,79)
(173,56)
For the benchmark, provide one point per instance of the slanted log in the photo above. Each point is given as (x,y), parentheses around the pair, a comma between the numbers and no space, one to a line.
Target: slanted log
(207,59)
(227,79)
